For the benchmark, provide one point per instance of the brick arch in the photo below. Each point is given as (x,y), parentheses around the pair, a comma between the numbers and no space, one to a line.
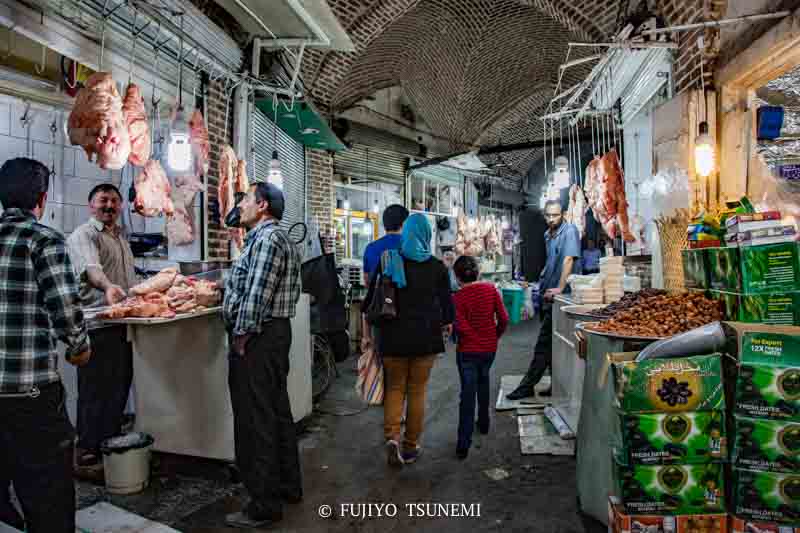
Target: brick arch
(364,20)
(461,62)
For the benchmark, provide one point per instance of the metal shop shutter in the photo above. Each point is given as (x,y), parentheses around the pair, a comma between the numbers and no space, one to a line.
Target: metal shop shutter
(362,163)
(293,166)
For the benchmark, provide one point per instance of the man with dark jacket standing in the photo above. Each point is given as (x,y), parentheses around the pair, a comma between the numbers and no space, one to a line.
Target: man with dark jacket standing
(260,299)
(39,304)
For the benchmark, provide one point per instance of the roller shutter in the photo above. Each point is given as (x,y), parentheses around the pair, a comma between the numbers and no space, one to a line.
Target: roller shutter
(293,166)
(364,163)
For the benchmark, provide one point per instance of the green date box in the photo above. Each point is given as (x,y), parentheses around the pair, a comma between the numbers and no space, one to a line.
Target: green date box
(724,269)
(676,385)
(671,489)
(780,308)
(769,445)
(676,438)
(770,268)
(768,381)
(695,269)
(766,496)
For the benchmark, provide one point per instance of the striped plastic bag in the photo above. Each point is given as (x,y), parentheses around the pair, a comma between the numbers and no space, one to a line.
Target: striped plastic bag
(369,384)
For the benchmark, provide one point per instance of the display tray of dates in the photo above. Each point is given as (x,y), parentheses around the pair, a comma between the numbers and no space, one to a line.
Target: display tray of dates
(629,300)
(591,327)
(659,317)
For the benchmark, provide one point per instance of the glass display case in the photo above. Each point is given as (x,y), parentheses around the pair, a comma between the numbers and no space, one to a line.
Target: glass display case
(354,231)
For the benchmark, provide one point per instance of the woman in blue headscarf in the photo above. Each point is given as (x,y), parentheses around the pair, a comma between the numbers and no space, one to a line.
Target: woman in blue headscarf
(410,342)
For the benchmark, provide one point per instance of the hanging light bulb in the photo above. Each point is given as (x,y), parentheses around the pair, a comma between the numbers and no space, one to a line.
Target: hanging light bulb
(561,172)
(455,208)
(504,222)
(376,208)
(542,201)
(346,203)
(704,156)
(274,176)
(179,149)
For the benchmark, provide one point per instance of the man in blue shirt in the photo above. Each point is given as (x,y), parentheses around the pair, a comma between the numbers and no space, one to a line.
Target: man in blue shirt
(393,218)
(563,243)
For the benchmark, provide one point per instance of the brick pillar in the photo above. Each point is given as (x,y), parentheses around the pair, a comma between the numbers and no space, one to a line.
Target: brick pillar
(219,134)
(319,176)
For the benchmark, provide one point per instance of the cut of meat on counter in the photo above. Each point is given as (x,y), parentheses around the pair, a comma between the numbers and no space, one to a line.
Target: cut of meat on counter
(161,282)
(199,139)
(153,191)
(165,295)
(136,122)
(97,123)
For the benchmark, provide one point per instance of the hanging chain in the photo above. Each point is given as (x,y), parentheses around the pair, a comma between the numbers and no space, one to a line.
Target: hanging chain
(53,130)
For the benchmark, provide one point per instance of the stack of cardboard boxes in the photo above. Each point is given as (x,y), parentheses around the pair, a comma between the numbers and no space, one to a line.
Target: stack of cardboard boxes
(766,453)
(756,279)
(669,445)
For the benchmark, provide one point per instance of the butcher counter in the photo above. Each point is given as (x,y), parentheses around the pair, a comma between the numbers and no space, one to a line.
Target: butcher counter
(180,383)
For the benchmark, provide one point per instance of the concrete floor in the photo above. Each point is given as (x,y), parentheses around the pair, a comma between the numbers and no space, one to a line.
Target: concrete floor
(343,463)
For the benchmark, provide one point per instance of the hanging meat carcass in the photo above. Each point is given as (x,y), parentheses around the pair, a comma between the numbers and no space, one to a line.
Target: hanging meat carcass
(576,212)
(596,195)
(227,176)
(180,226)
(153,191)
(136,122)
(240,185)
(186,187)
(614,198)
(97,123)
(199,138)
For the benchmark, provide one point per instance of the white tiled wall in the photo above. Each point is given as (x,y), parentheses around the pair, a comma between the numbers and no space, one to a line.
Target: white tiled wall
(74,176)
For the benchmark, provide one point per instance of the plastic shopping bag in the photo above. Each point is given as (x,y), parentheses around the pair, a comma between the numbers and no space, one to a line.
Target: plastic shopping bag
(370,377)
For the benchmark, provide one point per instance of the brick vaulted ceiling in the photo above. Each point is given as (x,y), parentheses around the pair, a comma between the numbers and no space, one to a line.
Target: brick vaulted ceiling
(476,71)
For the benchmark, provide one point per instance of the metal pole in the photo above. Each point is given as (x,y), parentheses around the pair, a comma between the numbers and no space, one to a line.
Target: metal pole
(581,61)
(580,162)
(717,23)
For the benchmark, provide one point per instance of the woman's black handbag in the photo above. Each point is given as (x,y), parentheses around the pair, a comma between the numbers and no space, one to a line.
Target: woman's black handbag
(383,305)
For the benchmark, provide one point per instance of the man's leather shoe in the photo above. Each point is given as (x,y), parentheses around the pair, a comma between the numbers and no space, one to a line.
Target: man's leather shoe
(519,394)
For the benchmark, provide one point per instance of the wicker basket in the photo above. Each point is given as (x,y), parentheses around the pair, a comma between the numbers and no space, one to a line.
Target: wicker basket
(672,233)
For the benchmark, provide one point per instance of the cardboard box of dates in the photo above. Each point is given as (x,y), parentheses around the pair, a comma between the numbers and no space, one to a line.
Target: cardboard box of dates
(743,525)
(768,496)
(671,489)
(667,438)
(621,522)
(768,384)
(770,445)
(669,385)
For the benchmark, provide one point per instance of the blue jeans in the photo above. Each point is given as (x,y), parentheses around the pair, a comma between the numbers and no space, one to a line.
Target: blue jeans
(473,369)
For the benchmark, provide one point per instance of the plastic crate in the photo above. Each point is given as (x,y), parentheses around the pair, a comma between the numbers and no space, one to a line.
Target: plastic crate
(514,300)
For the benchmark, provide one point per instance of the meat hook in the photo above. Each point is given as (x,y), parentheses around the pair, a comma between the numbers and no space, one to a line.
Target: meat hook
(135,36)
(156,50)
(40,69)
(10,44)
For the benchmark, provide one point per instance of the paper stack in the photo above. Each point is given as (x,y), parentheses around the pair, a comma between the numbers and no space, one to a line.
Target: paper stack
(613,273)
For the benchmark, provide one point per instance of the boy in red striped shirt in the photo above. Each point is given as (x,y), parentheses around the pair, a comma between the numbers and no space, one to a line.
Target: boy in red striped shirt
(481,319)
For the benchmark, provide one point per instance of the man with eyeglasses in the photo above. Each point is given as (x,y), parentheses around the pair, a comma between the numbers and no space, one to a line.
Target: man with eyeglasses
(563,244)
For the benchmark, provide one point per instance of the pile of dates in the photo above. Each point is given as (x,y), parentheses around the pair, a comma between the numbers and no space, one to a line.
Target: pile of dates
(629,300)
(663,315)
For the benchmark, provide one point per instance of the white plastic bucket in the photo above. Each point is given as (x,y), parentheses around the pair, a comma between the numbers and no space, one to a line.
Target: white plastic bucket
(126,461)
